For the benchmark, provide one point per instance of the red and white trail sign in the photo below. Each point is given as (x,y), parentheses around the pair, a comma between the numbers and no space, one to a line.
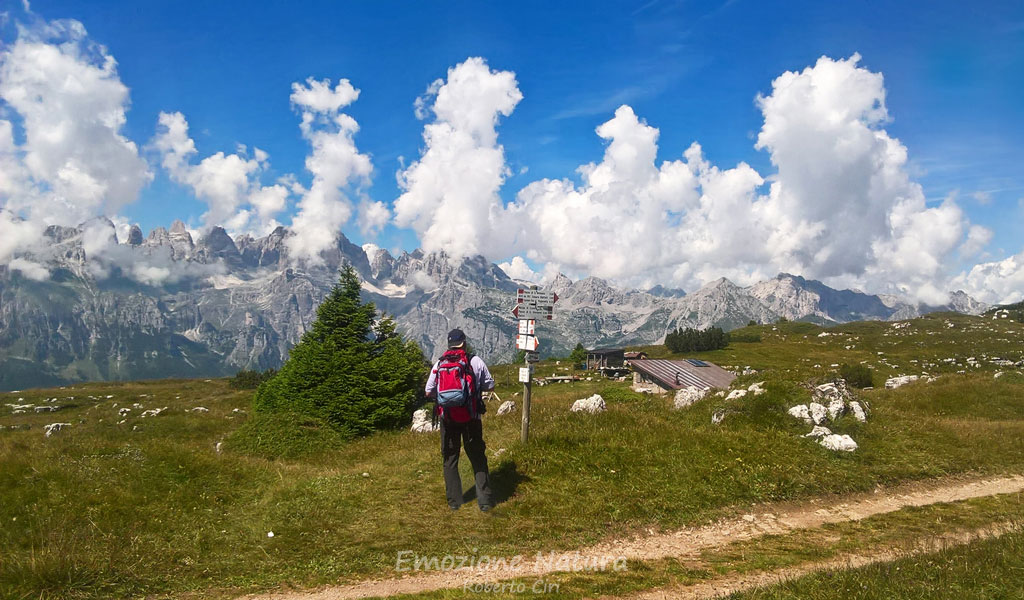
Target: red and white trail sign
(527,342)
(527,326)
(532,311)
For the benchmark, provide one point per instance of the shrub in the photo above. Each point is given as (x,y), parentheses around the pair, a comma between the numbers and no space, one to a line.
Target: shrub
(745,336)
(752,323)
(858,376)
(694,340)
(250,380)
(356,375)
(579,354)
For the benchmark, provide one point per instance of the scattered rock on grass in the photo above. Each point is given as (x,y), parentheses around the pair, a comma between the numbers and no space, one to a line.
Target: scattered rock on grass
(756,388)
(687,396)
(858,411)
(818,432)
(895,382)
(153,412)
(421,422)
(199,409)
(818,413)
(592,405)
(508,406)
(53,428)
(838,443)
(800,411)
(736,394)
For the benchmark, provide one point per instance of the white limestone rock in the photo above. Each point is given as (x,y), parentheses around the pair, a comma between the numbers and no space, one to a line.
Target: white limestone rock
(818,432)
(199,409)
(736,394)
(756,388)
(153,412)
(858,411)
(818,413)
(686,396)
(839,443)
(895,382)
(800,411)
(53,428)
(836,408)
(592,405)
(421,422)
(508,406)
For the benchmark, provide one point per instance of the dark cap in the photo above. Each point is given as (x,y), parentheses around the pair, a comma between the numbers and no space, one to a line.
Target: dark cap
(456,338)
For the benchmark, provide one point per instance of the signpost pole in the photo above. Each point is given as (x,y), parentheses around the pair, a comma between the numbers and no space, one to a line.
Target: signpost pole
(527,389)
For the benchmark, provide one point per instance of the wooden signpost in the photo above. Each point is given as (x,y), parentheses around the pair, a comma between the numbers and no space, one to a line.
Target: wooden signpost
(531,304)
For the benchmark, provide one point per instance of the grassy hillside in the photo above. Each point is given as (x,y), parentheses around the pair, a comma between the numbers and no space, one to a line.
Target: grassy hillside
(127,506)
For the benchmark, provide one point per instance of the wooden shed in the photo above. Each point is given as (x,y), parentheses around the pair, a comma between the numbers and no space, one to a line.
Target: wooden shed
(605,358)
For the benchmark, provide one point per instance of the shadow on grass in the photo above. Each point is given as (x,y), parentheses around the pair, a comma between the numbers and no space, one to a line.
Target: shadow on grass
(504,481)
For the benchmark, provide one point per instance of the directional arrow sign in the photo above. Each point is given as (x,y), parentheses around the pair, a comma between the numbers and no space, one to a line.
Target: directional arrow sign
(536,297)
(527,342)
(532,311)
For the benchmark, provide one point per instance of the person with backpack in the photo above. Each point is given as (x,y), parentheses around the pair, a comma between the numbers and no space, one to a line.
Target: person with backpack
(457,382)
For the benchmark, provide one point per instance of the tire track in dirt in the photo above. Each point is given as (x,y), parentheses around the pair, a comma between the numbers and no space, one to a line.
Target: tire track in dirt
(769,519)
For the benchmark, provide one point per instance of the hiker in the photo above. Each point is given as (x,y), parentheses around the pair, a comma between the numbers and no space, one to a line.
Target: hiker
(457,381)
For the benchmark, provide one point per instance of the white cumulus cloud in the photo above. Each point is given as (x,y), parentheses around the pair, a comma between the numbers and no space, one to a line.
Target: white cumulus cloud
(450,195)
(336,164)
(70,104)
(229,184)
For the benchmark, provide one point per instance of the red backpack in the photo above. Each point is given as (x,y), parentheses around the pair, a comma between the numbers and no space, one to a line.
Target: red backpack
(456,386)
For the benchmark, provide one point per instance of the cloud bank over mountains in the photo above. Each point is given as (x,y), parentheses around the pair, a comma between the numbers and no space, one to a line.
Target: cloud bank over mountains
(839,206)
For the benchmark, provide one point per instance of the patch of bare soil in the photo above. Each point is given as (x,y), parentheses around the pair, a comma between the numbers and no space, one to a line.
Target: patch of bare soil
(767,519)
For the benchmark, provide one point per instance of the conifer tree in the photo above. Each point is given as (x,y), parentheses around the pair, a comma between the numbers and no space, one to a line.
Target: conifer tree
(353,373)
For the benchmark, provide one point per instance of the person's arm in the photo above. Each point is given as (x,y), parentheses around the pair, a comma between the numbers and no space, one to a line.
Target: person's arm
(483,375)
(431,387)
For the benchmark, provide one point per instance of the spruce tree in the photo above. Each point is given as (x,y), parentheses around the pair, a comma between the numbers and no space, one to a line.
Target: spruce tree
(355,374)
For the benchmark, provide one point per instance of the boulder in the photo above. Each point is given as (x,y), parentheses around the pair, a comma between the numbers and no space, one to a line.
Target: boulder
(818,413)
(592,405)
(508,406)
(421,422)
(800,411)
(53,428)
(895,382)
(836,408)
(818,432)
(686,396)
(838,443)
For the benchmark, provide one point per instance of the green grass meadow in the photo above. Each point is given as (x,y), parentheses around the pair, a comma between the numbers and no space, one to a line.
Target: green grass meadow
(149,508)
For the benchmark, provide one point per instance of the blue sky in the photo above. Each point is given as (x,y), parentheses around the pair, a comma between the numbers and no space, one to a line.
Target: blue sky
(954,78)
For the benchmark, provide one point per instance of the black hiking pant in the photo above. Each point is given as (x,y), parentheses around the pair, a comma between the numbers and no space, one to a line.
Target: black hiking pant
(453,436)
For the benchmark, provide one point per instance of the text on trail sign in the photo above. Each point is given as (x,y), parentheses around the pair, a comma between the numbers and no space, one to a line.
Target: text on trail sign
(536,297)
(526,342)
(527,326)
(532,311)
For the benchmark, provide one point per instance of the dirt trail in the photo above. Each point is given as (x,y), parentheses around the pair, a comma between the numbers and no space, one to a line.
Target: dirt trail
(730,584)
(767,519)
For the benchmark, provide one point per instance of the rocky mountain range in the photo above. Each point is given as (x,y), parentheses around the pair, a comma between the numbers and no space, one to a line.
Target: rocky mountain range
(166,305)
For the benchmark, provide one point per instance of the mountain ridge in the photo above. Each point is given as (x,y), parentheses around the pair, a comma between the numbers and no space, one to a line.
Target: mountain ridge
(166,305)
